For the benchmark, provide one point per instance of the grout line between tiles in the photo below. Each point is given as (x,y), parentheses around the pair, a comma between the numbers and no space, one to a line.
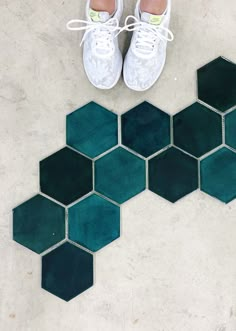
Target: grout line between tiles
(79,246)
(78,152)
(230,148)
(106,152)
(133,152)
(106,198)
(211,152)
(159,152)
(223,129)
(172,130)
(66,223)
(199,174)
(185,152)
(147,173)
(119,130)
(52,199)
(80,199)
(230,110)
(52,248)
(210,107)
(93,175)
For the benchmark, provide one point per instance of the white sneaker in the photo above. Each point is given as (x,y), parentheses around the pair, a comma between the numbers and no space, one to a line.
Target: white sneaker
(146,56)
(101,54)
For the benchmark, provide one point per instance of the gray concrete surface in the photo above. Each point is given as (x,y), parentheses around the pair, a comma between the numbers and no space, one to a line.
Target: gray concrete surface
(174,268)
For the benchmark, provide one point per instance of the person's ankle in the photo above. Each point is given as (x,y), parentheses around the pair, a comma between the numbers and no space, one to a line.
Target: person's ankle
(103,5)
(155,7)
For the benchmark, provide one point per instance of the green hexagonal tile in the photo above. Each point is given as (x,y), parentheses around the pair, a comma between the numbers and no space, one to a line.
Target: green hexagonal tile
(66,176)
(92,129)
(173,174)
(67,271)
(94,222)
(197,129)
(217,84)
(218,175)
(120,175)
(145,129)
(38,223)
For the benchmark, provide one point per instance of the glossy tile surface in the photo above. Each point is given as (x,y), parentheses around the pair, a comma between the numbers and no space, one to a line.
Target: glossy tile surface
(173,174)
(217,84)
(38,223)
(66,175)
(145,129)
(218,175)
(120,175)
(94,222)
(230,129)
(92,129)
(197,129)
(67,271)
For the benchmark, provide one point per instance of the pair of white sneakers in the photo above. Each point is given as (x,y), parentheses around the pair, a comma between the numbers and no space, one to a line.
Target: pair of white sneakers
(145,58)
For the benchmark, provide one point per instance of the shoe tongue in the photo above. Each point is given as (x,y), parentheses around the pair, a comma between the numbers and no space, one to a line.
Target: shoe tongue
(151,19)
(99,16)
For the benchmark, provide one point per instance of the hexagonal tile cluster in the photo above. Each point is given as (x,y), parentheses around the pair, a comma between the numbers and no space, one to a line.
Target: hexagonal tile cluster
(77,211)
(68,221)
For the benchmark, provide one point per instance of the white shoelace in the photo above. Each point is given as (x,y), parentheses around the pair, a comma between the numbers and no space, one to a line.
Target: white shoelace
(148,35)
(103,32)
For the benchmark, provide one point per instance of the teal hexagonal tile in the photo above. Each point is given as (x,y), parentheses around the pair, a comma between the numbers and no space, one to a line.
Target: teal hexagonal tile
(145,129)
(173,174)
(218,175)
(67,271)
(197,129)
(94,222)
(120,175)
(217,84)
(66,176)
(38,223)
(230,129)
(92,129)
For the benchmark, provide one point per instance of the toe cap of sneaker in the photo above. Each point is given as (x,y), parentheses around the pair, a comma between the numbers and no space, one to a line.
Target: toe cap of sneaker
(102,75)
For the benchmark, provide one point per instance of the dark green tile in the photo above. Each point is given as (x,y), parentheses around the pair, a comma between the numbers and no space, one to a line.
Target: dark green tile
(92,129)
(218,175)
(120,175)
(230,129)
(94,222)
(145,129)
(173,174)
(38,223)
(217,84)
(66,176)
(197,129)
(67,271)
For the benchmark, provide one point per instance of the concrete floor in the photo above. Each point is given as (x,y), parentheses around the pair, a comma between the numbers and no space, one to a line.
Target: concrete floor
(174,268)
